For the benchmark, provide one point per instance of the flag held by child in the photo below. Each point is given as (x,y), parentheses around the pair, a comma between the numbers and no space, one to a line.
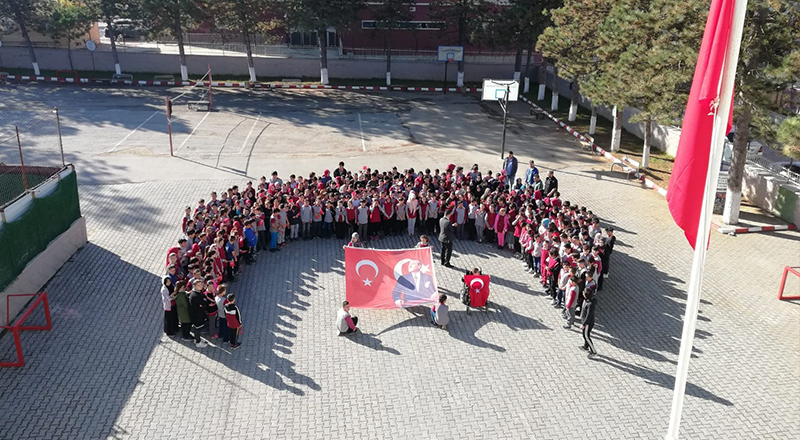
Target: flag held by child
(478,289)
(389,279)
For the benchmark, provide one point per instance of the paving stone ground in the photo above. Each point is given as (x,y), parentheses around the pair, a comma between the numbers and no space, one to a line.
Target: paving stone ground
(107,371)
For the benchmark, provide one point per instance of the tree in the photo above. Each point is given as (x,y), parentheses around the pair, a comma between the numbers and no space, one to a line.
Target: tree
(23,13)
(573,39)
(69,20)
(467,16)
(389,14)
(245,17)
(173,17)
(789,137)
(111,10)
(656,40)
(515,27)
(768,62)
(319,15)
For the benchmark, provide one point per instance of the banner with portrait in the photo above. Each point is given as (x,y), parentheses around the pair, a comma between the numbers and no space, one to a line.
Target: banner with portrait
(389,278)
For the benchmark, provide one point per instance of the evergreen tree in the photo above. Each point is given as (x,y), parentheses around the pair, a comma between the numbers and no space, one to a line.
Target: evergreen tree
(389,14)
(173,17)
(69,20)
(24,12)
(656,42)
(245,17)
(467,16)
(318,15)
(111,10)
(573,39)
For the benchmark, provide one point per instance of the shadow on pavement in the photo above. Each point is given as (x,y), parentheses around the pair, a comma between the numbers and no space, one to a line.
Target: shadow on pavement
(655,377)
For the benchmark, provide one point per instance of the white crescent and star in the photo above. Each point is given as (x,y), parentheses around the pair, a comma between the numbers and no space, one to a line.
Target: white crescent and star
(367,281)
(477,280)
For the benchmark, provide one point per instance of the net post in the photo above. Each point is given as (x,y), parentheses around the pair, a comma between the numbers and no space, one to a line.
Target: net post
(21,161)
(210,94)
(60,143)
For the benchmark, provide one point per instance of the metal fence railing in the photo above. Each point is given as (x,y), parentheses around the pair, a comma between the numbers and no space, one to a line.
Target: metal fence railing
(30,151)
(778,168)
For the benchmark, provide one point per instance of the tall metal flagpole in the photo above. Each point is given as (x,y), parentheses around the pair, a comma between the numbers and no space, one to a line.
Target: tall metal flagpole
(704,227)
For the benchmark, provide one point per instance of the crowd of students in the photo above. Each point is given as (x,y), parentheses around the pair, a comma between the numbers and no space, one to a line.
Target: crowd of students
(558,242)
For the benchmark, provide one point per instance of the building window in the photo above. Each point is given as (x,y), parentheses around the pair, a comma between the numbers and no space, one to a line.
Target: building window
(404,25)
(299,38)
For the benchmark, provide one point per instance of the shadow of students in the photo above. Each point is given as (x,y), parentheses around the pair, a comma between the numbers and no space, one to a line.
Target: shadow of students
(464,326)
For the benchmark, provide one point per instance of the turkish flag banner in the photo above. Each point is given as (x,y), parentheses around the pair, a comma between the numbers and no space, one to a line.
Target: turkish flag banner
(478,289)
(389,279)
(690,169)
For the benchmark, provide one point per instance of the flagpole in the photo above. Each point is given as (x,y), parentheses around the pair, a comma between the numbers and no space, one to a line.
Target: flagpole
(704,226)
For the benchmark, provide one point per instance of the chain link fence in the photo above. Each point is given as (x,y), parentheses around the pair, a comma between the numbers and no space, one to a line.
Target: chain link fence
(30,151)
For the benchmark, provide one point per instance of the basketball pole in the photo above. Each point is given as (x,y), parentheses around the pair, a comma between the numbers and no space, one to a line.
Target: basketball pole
(504,105)
(169,125)
(444,83)
(210,95)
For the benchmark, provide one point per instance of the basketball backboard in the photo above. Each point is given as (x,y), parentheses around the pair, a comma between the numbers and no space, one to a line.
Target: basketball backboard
(450,53)
(496,89)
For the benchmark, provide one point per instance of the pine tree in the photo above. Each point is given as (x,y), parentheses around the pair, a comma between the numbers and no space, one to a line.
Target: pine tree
(173,17)
(69,20)
(24,12)
(656,42)
(467,16)
(389,14)
(573,39)
(245,17)
(318,15)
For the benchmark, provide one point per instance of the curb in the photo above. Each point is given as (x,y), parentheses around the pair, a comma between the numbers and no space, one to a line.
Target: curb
(648,183)
(734,230)
(235,84)
(652,185)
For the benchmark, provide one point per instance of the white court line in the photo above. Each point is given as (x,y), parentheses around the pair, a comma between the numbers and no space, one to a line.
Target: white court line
(244,144)
(360,127)
(193,130)
(132,132)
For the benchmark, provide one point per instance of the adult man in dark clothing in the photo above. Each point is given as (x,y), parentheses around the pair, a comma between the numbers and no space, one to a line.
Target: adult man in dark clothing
(587,321)
(550,184)
(341,171)
(197,302)
(510,167)
(446,233)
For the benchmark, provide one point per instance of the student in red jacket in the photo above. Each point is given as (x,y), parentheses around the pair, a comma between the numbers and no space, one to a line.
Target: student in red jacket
(234,319)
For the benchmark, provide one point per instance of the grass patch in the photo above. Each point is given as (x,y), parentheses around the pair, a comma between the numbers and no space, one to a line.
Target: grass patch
(661,163)
(148,76)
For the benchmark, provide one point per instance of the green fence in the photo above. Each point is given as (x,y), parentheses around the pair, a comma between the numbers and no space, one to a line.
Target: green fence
(47,217)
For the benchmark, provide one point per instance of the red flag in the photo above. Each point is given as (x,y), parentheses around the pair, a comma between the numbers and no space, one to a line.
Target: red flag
(687,185)
(389,279)
(478,289)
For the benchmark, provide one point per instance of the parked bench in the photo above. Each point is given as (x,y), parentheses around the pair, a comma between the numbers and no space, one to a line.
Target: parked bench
(626,162)
(164,78)
(199,105)
(121,77)
(538,114)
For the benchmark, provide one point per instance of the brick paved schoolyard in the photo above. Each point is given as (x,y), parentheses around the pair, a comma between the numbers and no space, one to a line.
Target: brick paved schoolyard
(107,371)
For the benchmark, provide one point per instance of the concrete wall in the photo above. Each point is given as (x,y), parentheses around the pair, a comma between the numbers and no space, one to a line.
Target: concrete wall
(56,59)
(43,267)
(664,137)
(771,193)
